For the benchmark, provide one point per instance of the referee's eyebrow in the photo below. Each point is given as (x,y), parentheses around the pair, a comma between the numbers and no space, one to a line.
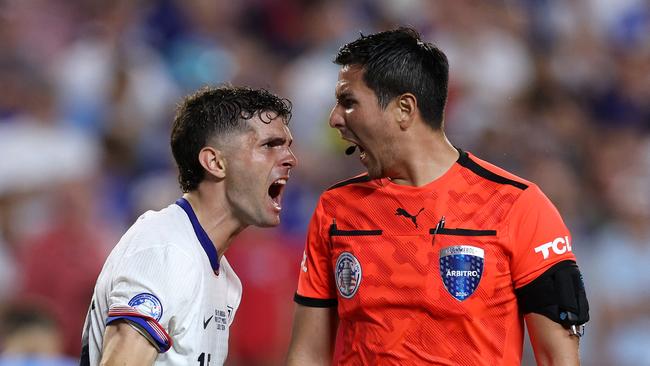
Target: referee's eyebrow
(342,95)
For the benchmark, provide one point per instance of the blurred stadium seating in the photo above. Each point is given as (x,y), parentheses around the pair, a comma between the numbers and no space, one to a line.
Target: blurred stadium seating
(556,91)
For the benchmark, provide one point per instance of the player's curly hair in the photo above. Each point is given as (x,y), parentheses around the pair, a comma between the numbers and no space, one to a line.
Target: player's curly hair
(398,61)
(213,112)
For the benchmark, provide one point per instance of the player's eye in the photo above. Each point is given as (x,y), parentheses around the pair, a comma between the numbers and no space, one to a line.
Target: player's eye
(274,143)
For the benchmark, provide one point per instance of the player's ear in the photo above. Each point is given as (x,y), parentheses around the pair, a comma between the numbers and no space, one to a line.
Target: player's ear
(213,161)
(405,110)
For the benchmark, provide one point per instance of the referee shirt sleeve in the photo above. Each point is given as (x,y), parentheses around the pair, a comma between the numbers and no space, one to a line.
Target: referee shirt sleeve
(316,281)
(539,236)
(152,288)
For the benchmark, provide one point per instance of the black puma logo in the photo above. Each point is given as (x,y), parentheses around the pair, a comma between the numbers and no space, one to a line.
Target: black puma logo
(403,212)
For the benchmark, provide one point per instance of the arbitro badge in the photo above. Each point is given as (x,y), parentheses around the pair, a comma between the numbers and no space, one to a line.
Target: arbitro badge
(461,269)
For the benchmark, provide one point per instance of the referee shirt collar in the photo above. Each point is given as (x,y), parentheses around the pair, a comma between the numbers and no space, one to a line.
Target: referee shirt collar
(205,241)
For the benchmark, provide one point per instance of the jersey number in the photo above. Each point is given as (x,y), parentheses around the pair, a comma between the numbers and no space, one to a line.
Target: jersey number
(202,360)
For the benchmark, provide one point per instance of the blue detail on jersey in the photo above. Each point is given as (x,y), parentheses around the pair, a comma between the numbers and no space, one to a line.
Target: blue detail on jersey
(205,241)
(147,304)
(461,269)
(162,344)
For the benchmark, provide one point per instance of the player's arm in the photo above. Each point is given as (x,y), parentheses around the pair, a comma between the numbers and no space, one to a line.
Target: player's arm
(552,343)
(124,346)
(313,336)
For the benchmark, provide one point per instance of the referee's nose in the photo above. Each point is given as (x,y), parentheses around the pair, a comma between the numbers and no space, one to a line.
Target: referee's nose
(336,117)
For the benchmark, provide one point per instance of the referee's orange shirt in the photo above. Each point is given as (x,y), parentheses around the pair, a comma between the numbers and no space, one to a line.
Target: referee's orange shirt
(412,288)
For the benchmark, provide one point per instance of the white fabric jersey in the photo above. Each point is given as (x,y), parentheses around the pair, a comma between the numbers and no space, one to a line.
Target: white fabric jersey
(162,277)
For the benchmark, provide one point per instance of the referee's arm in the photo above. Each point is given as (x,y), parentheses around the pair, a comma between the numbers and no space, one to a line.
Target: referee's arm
(124,346)
(553,345)
(313,336)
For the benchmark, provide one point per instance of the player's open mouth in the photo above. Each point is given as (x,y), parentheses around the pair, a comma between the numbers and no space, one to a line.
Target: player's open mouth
(275,192)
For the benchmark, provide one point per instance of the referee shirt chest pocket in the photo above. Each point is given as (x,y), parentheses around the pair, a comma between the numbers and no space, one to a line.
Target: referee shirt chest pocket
(353,239)
(357,242)
(444,237)
(352,258)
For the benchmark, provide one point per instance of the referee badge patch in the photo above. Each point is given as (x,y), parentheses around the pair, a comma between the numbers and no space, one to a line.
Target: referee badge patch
(147,304)
(348,274)
(461,269)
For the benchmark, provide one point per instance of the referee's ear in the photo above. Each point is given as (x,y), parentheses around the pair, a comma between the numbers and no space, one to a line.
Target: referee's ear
(212,160)
(405,110)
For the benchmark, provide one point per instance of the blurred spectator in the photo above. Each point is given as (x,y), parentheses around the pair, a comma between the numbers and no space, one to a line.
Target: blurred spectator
(30,336)
(268,264)
(59,265)
(87,101)
(618,266)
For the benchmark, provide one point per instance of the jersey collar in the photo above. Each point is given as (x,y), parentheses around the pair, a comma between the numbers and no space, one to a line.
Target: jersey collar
(205,241)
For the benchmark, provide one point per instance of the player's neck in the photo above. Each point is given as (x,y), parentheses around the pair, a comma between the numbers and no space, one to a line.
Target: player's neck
(216,220)
(423,158)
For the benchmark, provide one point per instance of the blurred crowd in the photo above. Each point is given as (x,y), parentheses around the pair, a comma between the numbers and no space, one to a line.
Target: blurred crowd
(555,91)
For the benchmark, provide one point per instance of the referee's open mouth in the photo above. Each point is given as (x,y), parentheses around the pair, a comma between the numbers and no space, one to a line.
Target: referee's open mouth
(355,145)
(275,192)
(362,152)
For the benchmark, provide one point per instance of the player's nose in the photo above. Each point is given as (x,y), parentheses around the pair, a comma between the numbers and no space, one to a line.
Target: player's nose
(290,159)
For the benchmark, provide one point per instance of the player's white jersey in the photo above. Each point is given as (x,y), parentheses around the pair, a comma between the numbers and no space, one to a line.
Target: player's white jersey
(165,278)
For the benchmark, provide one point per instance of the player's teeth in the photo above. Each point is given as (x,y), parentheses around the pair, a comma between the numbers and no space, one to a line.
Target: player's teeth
(281,181)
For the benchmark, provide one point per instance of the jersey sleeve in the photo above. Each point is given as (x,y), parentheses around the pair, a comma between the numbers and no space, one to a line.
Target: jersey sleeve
(539,237)
(316,280)
(152,289)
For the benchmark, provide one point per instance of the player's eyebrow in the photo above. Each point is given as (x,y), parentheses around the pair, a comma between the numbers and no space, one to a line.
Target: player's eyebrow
(276,141)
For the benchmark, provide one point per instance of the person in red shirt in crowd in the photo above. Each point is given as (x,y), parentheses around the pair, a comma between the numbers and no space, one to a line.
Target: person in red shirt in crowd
(433,256)
(59,265)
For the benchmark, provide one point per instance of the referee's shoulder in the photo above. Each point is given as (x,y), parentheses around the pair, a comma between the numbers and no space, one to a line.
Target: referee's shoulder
(356,181)
(492,173)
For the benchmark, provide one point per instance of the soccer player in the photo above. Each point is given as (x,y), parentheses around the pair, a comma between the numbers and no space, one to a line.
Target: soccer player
(166,294)
(433,256)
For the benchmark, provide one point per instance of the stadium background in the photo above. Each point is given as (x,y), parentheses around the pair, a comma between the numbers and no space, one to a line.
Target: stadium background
(555,91)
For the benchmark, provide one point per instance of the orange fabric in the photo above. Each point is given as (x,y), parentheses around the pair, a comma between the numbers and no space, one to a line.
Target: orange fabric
(397,309)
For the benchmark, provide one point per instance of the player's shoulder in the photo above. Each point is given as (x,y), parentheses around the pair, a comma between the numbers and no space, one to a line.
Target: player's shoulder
(159,222)
(167,227)
(490,172)
(158,243)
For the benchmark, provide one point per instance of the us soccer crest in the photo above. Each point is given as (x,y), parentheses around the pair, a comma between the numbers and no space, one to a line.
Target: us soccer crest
(348,274)
(461,269)
(147,304)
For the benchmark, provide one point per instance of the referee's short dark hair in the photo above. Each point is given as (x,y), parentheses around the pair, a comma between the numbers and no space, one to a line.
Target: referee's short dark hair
(398,61)
(213,112)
